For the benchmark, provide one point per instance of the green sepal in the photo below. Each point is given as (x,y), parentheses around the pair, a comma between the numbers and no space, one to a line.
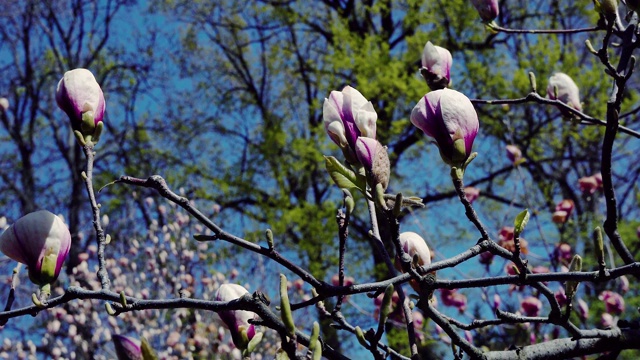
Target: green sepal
(97,132)
(360,337)
(521,221)
(147,351)
(385,308)
(79,137)
(599,246)
(281,355)
(314,344)
(251,346)
(572,286)
(344,177)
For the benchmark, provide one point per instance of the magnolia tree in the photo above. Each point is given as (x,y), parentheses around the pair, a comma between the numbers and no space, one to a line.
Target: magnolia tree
(552,307)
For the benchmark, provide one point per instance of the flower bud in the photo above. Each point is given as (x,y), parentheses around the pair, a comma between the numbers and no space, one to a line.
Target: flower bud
(531,306)
(563,211)
(588,185)
(4,104)
(614,303)
(236,320)
(348,115)
(513,154)
(488,9)
(449,118)
(453,298)
(127,348)
(436,66)
(583,310)
(561,87)
(80,96)
(414,245)
(374,158)
(471,193)
(39,240)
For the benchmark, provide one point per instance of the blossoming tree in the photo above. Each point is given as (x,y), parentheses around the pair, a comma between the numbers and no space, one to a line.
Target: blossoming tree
(549,305)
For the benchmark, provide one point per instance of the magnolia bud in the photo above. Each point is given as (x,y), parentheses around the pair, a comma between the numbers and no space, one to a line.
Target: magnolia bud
(449,118)
(79,95)
(436,66)
(39,240)
(348,115)
(236,320)
(562,87)
(488,9)
(374,158)
(127,348)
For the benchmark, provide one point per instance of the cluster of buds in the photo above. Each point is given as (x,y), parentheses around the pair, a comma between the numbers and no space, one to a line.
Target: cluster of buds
(563,211)
(589,184)
(350,121)
(41,241)
(450,119)
(80,96)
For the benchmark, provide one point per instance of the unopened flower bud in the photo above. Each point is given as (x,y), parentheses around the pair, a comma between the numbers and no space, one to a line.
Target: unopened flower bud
(436,66)
(471,193)
(4,104)
(450,119)
(563,211)
(531,306)
(562,87)
(348,115)
(374,158)
(79,95)
(127,348)
(488,9)
(513,154)
(39,240)
(414,245)
(236,320)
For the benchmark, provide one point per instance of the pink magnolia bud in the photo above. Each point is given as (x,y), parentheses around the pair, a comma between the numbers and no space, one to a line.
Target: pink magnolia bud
(471,193)
(436,66)
(78,93)
(449,118)
(563,211)
(624,284)
(236,320)
(486,258)
(614,303)
(531,306)
(567,91)
(561,297)
(598,178)
(607,320)
(4,104)
(348,115)
(454,299)
(497,301)
(373,156)
(127,348)
(588,185)
(348,280)
(488,9)
(583,309)
(513,153)
(562,253)
(39,240)
(413,244)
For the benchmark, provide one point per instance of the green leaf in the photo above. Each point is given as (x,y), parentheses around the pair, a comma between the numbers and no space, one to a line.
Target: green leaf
(521,221)
(342,176)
